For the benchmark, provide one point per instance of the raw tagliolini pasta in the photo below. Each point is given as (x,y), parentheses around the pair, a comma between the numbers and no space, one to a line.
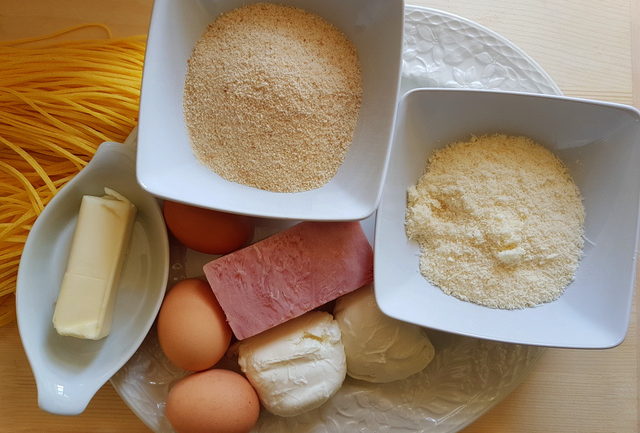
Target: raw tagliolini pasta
(59,100)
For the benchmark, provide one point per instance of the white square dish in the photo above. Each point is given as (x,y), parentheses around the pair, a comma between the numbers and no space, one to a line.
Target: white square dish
(600,144)
(167,167)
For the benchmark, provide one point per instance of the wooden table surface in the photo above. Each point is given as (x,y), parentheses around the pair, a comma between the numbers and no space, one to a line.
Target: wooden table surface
(591,49)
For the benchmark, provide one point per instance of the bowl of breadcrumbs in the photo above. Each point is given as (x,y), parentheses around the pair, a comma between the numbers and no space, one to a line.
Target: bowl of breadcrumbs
(281,110)
(514,219)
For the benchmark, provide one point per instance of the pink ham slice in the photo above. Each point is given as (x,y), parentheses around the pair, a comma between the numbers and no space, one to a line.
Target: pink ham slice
(290,273)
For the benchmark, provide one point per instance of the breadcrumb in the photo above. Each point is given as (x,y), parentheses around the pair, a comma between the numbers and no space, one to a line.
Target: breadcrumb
(272,97)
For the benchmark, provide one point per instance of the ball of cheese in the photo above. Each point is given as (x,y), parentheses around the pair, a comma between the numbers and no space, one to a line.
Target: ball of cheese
(297,366)
(379,349)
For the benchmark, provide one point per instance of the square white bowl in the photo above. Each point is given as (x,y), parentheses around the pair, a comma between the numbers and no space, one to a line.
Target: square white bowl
(168,168)
(600,144)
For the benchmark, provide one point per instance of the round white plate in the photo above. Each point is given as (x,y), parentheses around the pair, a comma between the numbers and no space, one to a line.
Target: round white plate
(468,376)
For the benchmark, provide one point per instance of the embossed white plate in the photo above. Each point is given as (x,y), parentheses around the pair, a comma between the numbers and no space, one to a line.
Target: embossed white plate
(468,376)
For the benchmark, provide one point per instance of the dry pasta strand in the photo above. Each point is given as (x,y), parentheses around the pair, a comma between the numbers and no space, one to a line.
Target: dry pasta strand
(56,34)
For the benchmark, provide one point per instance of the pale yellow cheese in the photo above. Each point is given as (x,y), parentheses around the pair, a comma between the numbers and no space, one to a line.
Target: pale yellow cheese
(87,295)
(378,348)
(499,221)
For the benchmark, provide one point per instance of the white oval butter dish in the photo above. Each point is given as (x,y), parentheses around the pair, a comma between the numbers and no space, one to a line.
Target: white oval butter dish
(69,371)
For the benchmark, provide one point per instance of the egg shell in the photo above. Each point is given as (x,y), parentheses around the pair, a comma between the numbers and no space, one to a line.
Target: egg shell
(192,328)
(206,230)
(213,401)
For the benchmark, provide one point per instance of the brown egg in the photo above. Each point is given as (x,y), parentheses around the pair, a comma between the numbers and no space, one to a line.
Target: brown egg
(213,401)
(206,230)
(192,328)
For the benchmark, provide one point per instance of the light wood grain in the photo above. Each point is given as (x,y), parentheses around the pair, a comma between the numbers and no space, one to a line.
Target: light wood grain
(635,54)
(26,18)
(585,45)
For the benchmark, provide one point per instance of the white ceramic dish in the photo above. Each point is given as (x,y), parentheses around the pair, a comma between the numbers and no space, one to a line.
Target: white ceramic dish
(468,375)
(166,164)
(600,144)
(68,371)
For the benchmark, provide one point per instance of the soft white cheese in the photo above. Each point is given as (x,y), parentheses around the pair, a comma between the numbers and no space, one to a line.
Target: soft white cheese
(84,308)
(378,348)
(296,366)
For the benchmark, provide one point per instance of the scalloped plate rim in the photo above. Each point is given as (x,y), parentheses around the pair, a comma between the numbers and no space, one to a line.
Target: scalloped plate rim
(535,65)
(556,90)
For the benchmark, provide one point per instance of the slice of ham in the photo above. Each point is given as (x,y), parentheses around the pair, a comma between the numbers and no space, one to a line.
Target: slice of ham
(290,273)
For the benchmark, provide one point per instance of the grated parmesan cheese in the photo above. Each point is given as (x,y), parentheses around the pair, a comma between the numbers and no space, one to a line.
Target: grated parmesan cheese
(499,221)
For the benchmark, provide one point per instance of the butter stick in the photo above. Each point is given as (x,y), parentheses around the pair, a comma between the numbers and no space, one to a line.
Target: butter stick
(87,295)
